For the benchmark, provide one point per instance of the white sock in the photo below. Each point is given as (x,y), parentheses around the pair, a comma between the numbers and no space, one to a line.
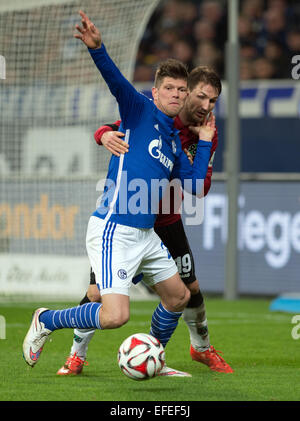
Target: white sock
(196,321)
(81,340)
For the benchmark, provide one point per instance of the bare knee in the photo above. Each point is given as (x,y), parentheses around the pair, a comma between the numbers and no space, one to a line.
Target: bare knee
(113,321)
(112,316)
(185,299)
(173,293)
(179,302)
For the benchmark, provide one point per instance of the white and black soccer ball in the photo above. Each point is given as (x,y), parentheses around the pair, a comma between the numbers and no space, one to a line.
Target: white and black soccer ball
(141,356)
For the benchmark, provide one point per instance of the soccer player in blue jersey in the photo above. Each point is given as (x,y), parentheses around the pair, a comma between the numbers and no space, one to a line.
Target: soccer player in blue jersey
(121,241)
(204,88)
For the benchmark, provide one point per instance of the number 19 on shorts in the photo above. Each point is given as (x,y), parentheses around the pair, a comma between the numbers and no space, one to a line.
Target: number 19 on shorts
(184,264)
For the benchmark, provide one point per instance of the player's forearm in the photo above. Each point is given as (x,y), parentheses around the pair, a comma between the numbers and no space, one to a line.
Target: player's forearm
(117,83)
(192,176)
(99,133)
(105,128)
(201,160)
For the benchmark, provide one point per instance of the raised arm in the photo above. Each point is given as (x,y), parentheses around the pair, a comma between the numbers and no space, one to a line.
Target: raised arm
(130,101)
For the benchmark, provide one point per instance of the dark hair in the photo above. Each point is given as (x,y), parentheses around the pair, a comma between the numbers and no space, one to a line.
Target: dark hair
(170,68)
(206,75)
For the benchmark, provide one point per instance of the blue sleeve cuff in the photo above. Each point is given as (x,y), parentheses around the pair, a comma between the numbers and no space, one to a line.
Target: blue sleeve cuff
(204,143)
(95,51)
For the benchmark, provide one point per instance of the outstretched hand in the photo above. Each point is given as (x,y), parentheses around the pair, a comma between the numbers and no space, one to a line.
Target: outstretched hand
(207,130)
(88,33)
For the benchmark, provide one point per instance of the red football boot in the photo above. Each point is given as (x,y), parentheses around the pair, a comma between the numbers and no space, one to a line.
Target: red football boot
(212,359)
(73,365)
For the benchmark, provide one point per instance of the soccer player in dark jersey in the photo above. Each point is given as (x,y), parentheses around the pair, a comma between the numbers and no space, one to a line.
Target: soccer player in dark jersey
(204,88)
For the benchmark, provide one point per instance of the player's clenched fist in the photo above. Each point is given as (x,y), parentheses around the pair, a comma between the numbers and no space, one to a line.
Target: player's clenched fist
(88,33)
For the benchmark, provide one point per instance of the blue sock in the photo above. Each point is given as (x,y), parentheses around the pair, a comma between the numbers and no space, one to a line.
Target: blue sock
(83,317)
(163,324)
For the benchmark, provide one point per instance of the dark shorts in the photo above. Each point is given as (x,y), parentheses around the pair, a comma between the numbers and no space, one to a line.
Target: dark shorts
(174,238)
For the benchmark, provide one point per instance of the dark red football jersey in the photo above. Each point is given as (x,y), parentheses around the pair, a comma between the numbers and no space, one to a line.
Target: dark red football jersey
(188,141)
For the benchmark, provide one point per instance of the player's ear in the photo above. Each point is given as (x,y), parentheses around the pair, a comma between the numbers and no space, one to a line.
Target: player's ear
(154,93)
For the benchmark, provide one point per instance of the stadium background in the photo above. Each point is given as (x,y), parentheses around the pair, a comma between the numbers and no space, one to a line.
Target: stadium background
(52,101)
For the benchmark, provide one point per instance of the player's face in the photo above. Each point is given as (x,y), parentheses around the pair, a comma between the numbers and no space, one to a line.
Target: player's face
(200,102)
(170,96)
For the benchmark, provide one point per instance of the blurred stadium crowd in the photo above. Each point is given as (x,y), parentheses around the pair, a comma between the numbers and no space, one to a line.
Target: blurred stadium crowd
(196,31)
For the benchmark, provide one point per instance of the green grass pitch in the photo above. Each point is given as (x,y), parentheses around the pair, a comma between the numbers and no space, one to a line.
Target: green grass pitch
(256,342)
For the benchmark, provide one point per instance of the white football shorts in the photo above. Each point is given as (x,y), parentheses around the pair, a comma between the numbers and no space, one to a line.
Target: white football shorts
(117,253)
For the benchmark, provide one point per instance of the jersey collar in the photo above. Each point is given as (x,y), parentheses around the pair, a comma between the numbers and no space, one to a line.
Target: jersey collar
(167,123)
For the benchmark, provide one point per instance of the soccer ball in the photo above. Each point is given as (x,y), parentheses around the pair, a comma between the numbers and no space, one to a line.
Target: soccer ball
(141,356)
